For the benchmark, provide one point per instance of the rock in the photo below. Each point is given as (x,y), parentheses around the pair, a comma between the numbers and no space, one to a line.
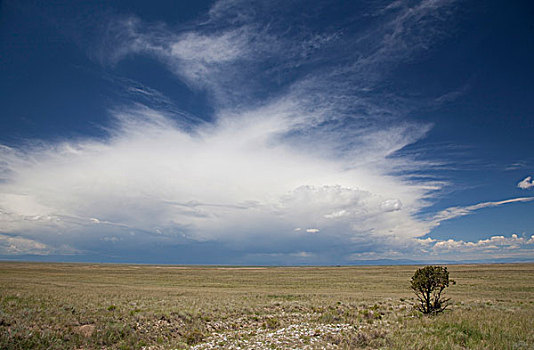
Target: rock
(86,330)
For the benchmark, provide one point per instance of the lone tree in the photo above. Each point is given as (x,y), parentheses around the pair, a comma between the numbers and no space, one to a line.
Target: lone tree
(428,284)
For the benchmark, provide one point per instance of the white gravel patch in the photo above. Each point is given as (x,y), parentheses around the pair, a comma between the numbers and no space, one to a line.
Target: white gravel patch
(295,336)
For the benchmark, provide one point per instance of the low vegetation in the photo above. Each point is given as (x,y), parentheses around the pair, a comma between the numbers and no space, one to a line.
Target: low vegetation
(90,306)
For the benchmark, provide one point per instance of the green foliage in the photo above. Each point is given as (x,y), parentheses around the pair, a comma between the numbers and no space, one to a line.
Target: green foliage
(428,284)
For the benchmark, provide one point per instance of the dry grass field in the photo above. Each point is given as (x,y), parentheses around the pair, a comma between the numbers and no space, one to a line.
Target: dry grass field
(94,306)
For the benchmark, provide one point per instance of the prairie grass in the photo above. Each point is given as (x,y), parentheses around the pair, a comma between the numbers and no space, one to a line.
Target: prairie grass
(100,306)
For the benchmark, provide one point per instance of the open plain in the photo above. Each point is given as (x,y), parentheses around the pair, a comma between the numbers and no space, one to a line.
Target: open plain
(101,306)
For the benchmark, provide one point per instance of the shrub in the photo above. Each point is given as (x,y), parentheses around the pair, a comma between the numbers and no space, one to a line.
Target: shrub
(428,284)
(193,336)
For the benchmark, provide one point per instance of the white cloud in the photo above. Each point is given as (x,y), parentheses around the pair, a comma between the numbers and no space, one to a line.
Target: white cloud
(526,183)
(302,254)
(15,245)
(18,245)
(493,247)
(428,249)
(112,239)
(336,214)
(391,205)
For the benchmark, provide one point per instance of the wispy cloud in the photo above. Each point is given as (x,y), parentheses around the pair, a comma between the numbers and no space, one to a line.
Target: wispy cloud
(454,212)
(250,51)
(516,165)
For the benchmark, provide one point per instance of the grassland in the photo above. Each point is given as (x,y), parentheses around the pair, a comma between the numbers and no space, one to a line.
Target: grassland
(92,306)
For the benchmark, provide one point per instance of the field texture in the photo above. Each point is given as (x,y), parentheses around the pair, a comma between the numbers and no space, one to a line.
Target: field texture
(90,306)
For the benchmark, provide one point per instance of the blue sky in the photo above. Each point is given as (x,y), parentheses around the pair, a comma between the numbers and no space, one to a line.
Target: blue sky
(267,132)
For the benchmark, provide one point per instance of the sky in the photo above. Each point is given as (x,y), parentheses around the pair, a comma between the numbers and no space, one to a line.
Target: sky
(267,132)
